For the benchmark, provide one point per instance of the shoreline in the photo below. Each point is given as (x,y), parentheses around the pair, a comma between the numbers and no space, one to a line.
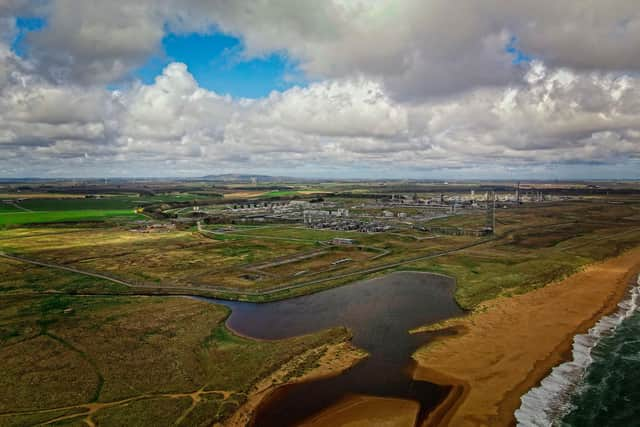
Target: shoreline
(336,359)
(510,357)
(547,402)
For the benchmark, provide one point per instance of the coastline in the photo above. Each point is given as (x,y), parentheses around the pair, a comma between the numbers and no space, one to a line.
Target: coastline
(510,356)
(550,400)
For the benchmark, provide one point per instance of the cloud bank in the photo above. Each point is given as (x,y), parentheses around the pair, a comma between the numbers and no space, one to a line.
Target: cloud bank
(411,87)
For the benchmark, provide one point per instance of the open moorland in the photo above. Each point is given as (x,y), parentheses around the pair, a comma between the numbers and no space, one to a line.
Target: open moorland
(532,246)
(247,260)
(120,360)
(536,246)
(90,278)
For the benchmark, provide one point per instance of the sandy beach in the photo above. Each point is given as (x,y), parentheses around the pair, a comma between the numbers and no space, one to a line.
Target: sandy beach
(510,344)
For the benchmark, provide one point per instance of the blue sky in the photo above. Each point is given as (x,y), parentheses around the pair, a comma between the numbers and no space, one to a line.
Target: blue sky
(215,60)
(518,56)
(217,63)
(24,25)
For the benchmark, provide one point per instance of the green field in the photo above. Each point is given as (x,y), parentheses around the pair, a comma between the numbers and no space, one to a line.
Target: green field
(9,208)
(52,210)
(291,193)
(107,203)
(15,218)
(174,197)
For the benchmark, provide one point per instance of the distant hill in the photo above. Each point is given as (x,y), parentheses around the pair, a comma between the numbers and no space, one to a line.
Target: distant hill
(233,177)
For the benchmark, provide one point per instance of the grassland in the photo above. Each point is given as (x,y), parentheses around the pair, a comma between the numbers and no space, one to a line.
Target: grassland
(295,232)
(533,247)
(110,359)
(191,260)
(76,347)
(22,217)
(37,210)
(180,258)
(20,278)
(38,195)
(33,209)
(9,208)
(291,193)
(107,203)
(249,194)
(537,246)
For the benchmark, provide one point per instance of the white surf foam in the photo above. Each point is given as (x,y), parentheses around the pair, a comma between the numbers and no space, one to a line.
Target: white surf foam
(545,405)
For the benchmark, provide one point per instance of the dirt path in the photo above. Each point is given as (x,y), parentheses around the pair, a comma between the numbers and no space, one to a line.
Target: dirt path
(92,408)
(62,267)
(334,359)
(511,344)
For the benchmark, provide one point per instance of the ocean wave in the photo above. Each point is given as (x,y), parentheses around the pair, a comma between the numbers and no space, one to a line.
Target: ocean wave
(545,405)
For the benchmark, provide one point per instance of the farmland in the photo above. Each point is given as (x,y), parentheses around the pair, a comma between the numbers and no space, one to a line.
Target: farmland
(38,209)
(69,209)
(22,217)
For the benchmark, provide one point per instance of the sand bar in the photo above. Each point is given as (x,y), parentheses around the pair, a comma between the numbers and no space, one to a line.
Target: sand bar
(364,411)
(504,349)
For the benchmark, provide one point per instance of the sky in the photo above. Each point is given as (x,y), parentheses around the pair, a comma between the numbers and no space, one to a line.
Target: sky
(432,89)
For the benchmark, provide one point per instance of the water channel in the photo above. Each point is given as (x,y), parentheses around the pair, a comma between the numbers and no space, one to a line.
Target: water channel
(379,312)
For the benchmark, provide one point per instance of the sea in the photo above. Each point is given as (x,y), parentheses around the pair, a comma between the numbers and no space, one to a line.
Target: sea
(601,385)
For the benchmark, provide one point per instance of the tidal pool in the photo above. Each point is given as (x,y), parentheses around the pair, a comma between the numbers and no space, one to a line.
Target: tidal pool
(379,312)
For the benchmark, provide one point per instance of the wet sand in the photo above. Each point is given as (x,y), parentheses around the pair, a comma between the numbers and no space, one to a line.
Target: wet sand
(364,411)
(508,346)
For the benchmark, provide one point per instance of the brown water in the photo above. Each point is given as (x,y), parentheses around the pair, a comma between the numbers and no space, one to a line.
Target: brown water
(379,312)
